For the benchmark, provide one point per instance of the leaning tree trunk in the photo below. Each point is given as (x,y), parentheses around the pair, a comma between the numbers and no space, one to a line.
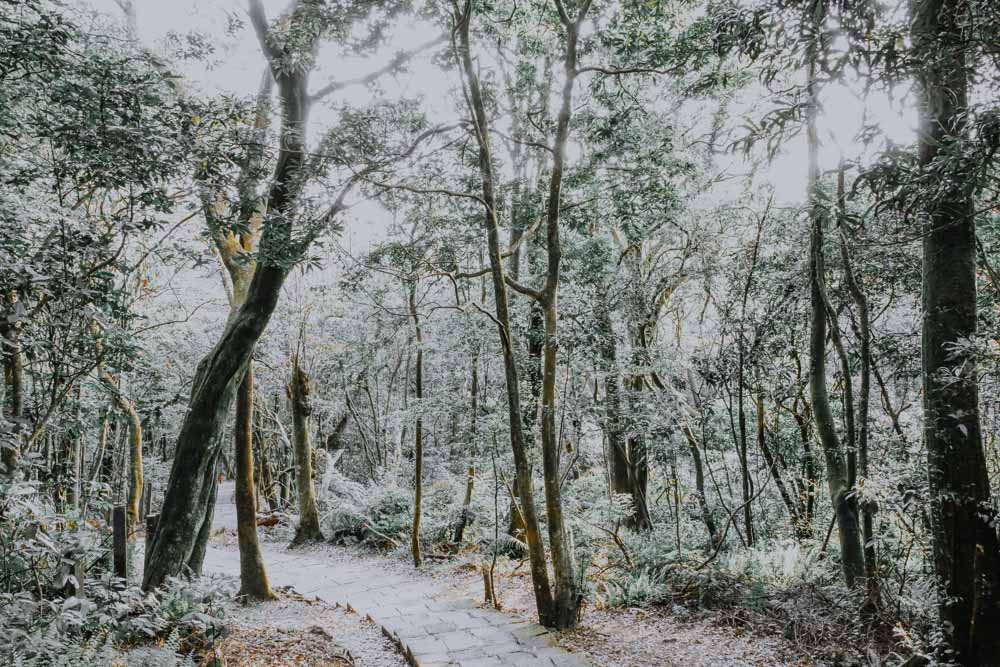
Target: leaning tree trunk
(298,393)
(181,535)
(966,549)
(777,474)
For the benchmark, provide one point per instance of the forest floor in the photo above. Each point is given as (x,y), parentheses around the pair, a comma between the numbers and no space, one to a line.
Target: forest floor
(307,633)
(381,587)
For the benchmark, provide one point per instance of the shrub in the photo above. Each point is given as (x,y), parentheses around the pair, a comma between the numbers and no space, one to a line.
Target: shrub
(378,516)
(48,617)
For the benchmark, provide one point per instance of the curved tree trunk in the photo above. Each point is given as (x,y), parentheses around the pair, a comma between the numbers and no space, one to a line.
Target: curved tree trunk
(181,535)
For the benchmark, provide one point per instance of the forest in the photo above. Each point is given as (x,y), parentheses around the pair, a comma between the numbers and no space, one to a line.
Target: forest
(619,333)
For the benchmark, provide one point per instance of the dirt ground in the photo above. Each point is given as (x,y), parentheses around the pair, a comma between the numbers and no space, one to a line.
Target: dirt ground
(295,631)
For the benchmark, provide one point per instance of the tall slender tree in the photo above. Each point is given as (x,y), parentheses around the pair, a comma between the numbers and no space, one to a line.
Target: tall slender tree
(844,501)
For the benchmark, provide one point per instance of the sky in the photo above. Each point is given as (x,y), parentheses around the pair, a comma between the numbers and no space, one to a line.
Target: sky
(237,64)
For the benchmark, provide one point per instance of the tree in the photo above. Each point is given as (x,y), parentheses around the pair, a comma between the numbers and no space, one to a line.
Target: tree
(418,428)
(187,508)
(966,547)
(298,391)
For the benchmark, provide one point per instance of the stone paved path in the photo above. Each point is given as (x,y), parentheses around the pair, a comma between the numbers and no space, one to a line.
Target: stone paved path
(433,629)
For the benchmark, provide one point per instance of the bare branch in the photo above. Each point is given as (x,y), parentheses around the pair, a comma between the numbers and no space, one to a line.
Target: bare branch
(523,289)
(400,58)
(338,204)
(258,18)
(613,71)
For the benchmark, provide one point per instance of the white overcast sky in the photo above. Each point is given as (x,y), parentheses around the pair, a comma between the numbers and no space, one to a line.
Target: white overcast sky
(238,65)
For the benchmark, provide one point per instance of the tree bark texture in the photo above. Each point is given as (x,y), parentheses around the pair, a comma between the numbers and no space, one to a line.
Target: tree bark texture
(418,431)
(253,577)
(308,529)
(966,549)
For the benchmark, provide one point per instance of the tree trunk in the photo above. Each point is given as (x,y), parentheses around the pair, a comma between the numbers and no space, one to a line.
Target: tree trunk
(13,366)
(418,431)
(776,471)
(463,518)
(742,449)
(844,504)
(618,461)
(566,596)
(298,394)
(536,337)
(196,560)
(253,577)
(966,549)
(863,400)
(189,501)
(135,462)
(699,485)
(127,406)
(640,518)
(806,481)
(525,492)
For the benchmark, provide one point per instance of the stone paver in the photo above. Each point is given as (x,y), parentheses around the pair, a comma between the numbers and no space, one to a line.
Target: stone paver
(432,629)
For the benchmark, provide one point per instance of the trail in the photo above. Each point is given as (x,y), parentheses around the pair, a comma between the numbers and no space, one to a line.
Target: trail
(431,627)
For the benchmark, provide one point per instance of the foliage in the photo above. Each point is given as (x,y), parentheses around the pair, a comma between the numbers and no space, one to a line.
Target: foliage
(50,617)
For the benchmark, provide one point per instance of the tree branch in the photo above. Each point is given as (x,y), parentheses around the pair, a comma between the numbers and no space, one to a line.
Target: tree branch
(613,71)
(258,18)
(338,204)
(398,60)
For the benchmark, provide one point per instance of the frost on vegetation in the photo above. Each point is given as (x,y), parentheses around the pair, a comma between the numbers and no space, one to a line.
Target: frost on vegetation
(49,617)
